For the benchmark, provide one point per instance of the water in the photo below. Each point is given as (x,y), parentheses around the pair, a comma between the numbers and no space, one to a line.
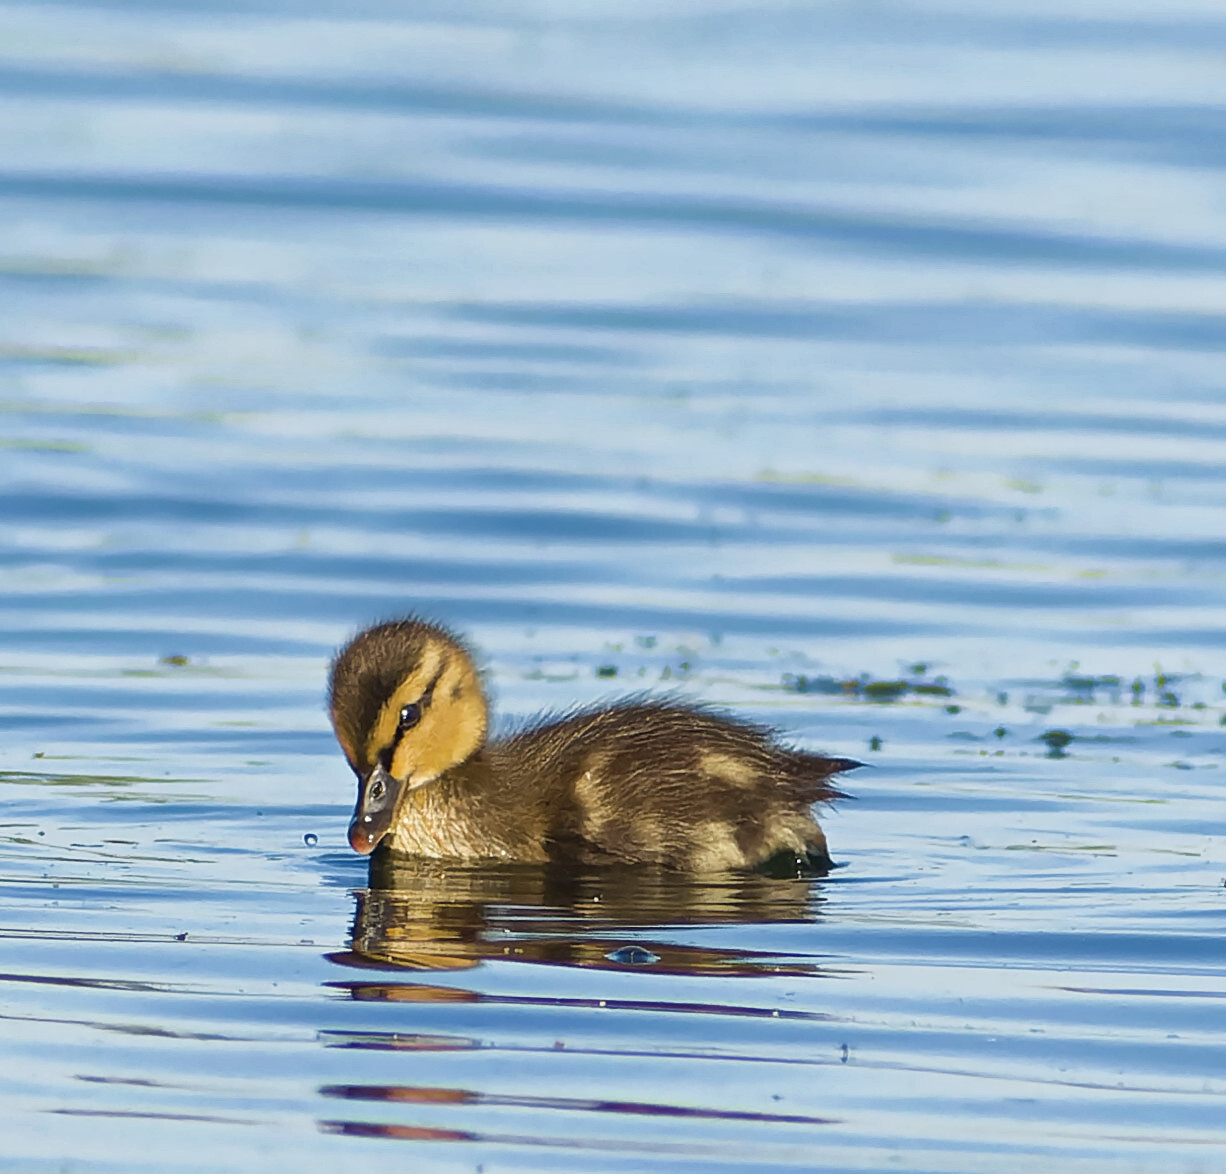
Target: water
(857,368)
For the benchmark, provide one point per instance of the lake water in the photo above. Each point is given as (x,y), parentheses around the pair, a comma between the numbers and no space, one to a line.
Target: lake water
(857,367)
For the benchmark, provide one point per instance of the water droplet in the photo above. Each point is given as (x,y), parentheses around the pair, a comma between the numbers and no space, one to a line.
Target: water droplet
(310,839)
(633,956)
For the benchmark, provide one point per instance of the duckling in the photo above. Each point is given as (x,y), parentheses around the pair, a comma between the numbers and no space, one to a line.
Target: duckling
(641,781)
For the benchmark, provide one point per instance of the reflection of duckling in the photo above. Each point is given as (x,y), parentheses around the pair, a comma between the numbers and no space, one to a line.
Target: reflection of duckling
(450,914)
(641,781)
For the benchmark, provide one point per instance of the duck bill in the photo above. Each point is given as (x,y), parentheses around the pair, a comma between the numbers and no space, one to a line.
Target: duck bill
(378,796)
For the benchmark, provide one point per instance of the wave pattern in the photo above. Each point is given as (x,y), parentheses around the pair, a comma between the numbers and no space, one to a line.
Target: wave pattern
(813,361)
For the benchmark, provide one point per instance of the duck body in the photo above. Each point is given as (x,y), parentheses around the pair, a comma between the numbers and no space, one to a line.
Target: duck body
(641,781)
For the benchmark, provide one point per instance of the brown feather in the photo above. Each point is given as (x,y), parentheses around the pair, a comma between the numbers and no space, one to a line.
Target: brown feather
(639,781)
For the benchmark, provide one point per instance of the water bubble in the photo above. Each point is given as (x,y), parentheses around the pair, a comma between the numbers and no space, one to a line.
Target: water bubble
(310,839)
(633,956)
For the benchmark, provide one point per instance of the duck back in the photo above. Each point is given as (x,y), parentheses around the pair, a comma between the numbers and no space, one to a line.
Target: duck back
(668,784)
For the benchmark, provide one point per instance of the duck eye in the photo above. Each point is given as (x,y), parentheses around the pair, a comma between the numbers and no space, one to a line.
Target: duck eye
(376,789)
(410,715)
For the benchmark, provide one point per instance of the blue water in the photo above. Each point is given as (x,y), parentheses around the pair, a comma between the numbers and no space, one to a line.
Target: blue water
(857,368)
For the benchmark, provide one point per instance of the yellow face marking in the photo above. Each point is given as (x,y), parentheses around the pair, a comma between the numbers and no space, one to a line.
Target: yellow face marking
(383,732)
(452,725)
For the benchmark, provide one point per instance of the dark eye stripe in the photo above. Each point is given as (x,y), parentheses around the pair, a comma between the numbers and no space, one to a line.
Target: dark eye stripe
(421,705)
(428,693)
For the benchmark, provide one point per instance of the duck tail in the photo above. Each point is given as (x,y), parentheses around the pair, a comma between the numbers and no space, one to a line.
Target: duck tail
(827,768)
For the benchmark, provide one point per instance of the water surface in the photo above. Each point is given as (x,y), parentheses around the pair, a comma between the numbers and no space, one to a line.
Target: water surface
(857,369)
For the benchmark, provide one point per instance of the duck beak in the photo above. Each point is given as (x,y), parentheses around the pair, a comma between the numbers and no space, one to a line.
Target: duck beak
(378,794)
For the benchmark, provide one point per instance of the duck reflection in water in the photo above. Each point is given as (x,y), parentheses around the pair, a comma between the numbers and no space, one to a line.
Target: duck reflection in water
(429,915)
(432,916)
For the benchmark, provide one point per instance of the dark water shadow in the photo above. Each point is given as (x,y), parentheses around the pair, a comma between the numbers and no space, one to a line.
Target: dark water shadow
(426,915)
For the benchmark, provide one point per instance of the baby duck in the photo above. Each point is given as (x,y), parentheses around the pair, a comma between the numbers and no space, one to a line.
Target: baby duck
(638,782)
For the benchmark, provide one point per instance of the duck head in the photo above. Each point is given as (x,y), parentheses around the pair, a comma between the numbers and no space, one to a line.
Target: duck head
(406,704)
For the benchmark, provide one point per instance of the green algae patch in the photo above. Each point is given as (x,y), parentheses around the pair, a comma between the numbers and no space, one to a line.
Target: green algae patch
(864,687)
(1056,740)
(38,779)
